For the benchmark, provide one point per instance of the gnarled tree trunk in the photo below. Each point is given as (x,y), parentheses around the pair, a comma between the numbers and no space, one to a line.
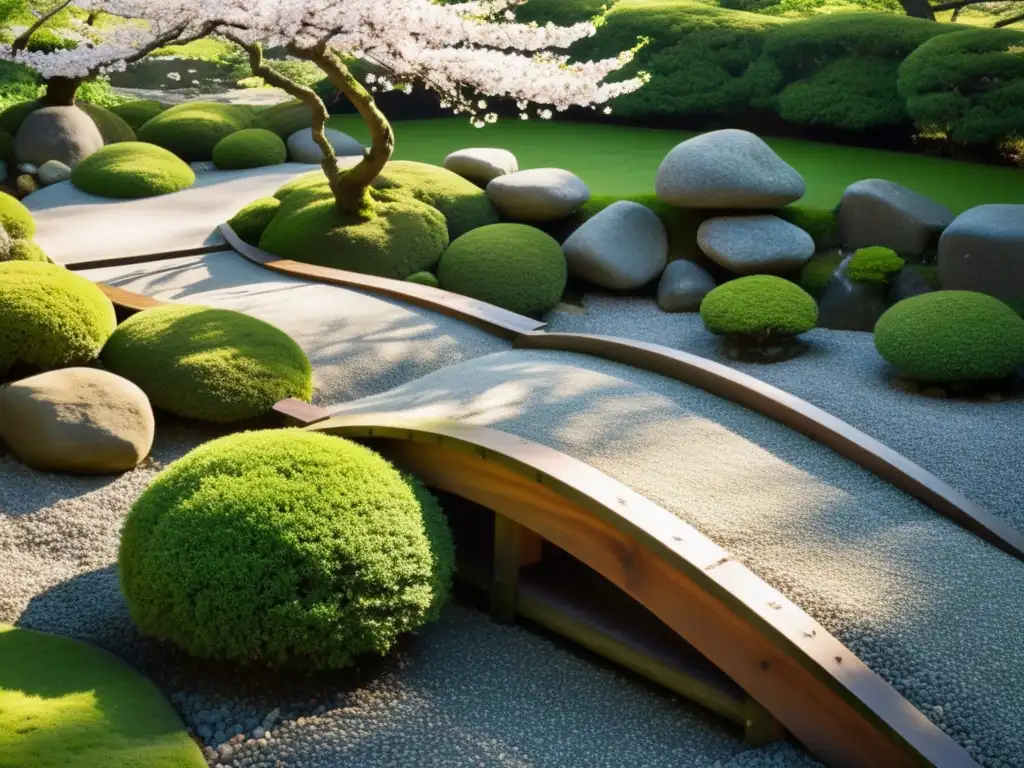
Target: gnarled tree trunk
(60,91)
(920,9)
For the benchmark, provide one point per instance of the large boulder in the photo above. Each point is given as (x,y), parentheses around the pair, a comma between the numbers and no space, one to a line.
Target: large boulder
(538,195)
(880,212)
(747,245)
(729,168)
(302,148)
(481,164)
(983,250)
(683,286)
(912,280)
(80,420)
(66,134)
(622,247)
(847,305)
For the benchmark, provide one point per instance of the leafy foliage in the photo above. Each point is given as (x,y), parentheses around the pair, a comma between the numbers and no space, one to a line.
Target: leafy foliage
(759,306)
(249,148)
(132,169)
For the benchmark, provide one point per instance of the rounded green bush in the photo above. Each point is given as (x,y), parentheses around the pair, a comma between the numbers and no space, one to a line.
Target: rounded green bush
(132,169)
(284,548)
(249,148)
(818,271)
(50,317)
(209,364)
(285,119)
(875,265)
(424,278)
(15,218)
(138,113)
(192,130)
(951,336)
(760,306)
(112,127)
(251,222)
(514,266)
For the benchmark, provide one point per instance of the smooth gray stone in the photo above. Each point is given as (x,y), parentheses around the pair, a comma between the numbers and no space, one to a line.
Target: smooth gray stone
(880,212)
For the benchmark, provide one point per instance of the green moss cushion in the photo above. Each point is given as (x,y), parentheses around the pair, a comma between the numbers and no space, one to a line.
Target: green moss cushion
(50,317)
(284,547)
(192,130)
(759,306)
(820,223)
(132,170)
(66,703)
(818,271)
(951,336)
(208,364)
(138,113)
(26,250)
(285,119)
(15,218)
(249,148)
(424,278)
(875,265)
(514,266)
(113,128)
(250,222)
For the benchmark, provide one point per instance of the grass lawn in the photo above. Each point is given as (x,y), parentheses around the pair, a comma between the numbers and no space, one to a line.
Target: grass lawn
(65,704)
(621,161)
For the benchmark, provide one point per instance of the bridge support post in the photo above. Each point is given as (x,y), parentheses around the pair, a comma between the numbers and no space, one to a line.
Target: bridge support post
(514,548)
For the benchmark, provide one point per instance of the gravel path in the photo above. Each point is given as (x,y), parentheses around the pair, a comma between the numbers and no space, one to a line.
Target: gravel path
(359,344)
(930,607)
(977,447)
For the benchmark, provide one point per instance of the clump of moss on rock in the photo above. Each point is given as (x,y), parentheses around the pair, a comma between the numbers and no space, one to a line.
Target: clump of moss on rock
(130,170)
(25,250)
(820,223)
(284,548)
(818,271)
(951,336)
(138,113)
(192,130)
(424,278)
(112,127)
(513,266)
(15,218)
(208,364)
(252,221)
(875,265)
(249,148)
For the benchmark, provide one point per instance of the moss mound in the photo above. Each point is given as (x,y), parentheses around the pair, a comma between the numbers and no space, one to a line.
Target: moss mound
(50,317)
(25,250)
(249,148)
(192,130)
(759,306)
(251,222)
(951,336)
(112,127)
(208,364)
(424,278)
(875,265)
(131,170)
(285,119)
(820,223)
(514,266)
(138,113)
(818,271)
(350,555)
(15,218)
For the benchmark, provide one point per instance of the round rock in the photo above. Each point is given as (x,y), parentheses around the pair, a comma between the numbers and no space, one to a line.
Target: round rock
(624,246)
(683,286)
(729,168)
(53,172)
(880,212)
(302,148)
(77,420)
(538,195)
(481,164)
(66,134)
(747,245)
(983,250)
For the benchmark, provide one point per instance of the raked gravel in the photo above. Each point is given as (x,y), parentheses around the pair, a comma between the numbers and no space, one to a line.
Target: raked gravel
(977,447)
(929,606)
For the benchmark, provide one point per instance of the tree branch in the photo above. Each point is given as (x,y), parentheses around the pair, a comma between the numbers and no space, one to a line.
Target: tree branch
(957,5)
(1009,21)
(22,40)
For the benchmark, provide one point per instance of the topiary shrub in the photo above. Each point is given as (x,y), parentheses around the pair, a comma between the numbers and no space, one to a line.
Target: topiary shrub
(760,307)
(192,130)
(208,364)
(15,218)
(112,128)
(251,222)
(285,119)
(875,265)
(949,336)
(132,169)
(424,278)
(284,548)
(138,113)
(513,266)
(820,223)
(818,271)
(50,317)
(249,148)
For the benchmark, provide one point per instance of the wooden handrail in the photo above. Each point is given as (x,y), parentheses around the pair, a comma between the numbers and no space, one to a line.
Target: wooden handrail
(824,694)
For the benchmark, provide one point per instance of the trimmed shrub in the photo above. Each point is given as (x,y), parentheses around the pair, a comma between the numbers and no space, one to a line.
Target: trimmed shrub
(760,306)
(284,548)
(192,130)
(132,169)
(249,148)
(968,85)
(138,113)
(112,128)
(875,265)
(949,336)
(50,317)
(820,223)
(15,218)
(285,119)
(424,278)
(818,271)
(252,221)
(513,266)
(208,364)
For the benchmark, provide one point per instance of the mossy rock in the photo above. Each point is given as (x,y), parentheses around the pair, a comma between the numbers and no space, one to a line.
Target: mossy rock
(817,272)
(874,265)
(513,266)
(138,113)
(208,364)
(113,128)
(284,548)
(950,336)
(26,250)
(193,129)
(285,119)
(249,148)
(424,278)
(15,218)
(252,221)
(131,170)
(761,307)
(50,317)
